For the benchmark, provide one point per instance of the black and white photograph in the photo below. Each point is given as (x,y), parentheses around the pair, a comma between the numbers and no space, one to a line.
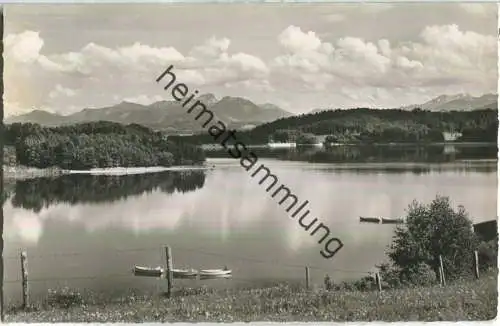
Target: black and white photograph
(249,162)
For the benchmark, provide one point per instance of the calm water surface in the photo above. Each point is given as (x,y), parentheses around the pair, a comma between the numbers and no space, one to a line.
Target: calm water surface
(88,231)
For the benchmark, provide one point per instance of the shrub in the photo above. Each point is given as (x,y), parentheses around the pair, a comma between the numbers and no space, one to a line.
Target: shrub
(429,231)
(488,254)
(390,275)
(365,283)
(421,275)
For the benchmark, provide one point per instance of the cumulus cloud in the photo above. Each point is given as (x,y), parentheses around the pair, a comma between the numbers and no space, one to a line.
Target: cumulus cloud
(444,53)
(61,91)
(294,40)
(24,47)
(443,58)
(141,99)
(121,71)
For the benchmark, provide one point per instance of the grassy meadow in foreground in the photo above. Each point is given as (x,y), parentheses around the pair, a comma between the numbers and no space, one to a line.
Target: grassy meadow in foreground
(461,300)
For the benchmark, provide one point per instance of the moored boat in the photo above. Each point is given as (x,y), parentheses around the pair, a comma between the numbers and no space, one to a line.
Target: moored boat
(387,220)
(148,271)
(185,273)
(215,272)
(214,277)
(369,219)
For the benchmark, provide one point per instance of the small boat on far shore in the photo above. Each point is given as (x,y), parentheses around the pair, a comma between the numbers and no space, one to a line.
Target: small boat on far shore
(370,219)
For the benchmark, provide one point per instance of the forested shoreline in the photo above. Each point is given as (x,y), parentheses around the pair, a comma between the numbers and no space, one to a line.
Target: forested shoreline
(95,145)
(365,126)
(105,144)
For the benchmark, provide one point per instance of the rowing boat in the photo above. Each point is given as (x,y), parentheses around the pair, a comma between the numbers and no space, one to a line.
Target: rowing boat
(370,219)
(214,277)
(392,220)
(159,272)
(148,271)
(215,272)
(185,273)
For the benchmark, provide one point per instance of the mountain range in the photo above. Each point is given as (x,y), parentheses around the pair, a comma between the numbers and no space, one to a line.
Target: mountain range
(235,112)
(458,102)
(169,116)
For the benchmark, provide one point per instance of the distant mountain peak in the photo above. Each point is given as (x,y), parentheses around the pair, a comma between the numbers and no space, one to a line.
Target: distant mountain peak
(39,111)
(164,115)
(125,102)
(459,101)
(233,98)
(207,98)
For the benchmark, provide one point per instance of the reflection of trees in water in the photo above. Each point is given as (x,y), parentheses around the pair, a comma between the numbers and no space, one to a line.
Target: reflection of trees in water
(376,154)
(418,170)
(379,154)
(8,188)
(41,192)
(4,197)
(386,154)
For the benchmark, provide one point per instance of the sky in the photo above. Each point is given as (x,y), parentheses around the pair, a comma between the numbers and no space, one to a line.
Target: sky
(64,58)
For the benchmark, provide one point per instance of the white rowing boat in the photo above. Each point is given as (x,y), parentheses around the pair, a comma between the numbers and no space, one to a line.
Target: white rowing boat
(182,273)
(185,273)
(215,272)
(148,271)
(160,272)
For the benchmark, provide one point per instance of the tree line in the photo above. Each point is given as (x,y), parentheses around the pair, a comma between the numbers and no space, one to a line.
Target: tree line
(370,126)
(97,145)
(380,154)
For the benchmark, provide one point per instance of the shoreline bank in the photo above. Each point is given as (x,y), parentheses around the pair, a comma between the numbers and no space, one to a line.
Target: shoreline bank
(217,147)
(20,172)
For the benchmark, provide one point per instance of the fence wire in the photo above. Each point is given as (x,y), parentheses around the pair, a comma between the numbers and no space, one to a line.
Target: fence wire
(155,249)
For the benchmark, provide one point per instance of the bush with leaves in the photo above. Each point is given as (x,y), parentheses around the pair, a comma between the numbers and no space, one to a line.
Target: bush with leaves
(390,275)
(429,231)
(422,275)
(488,254)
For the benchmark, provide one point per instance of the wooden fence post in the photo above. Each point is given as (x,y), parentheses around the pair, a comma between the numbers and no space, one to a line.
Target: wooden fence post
(307,278)
(328,282)
(441,268)
(440,276)
(169,272)
(24,277)
(378,281)
(476,264)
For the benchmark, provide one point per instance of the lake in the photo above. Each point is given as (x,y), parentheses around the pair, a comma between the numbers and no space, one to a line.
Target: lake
(88,232)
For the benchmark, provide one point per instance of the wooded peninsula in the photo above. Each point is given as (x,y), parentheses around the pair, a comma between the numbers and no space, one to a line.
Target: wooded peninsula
(95,145)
